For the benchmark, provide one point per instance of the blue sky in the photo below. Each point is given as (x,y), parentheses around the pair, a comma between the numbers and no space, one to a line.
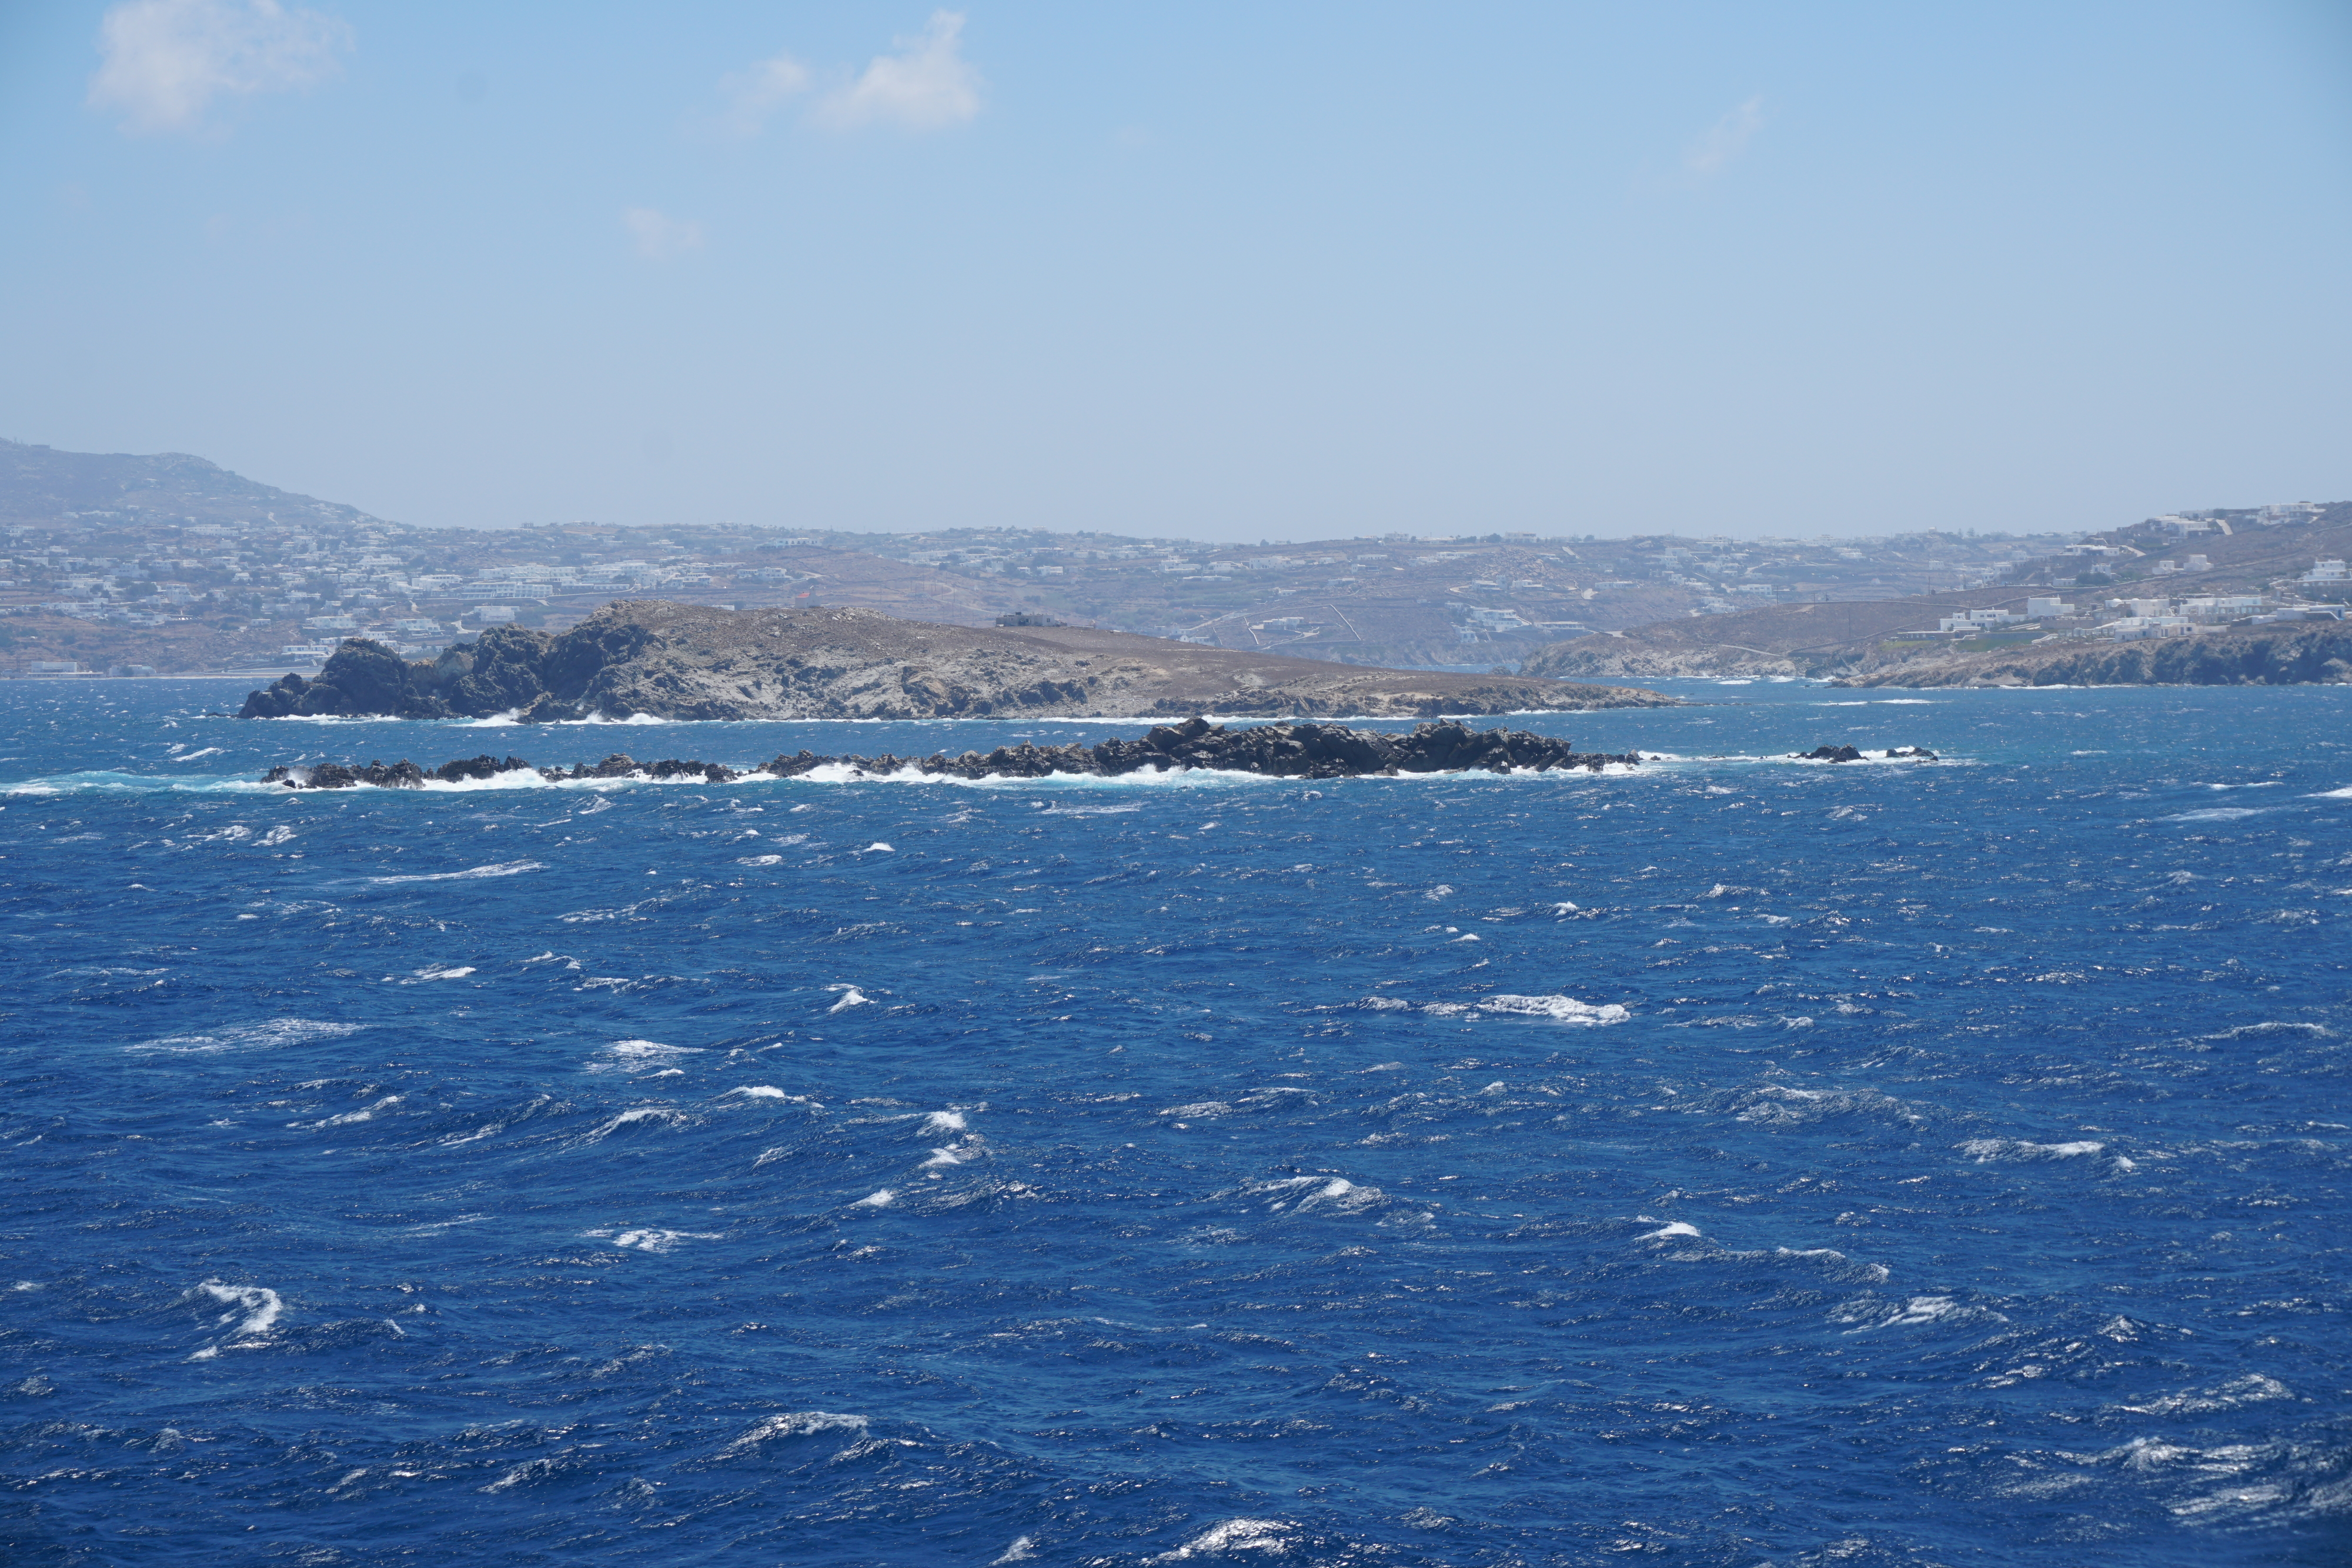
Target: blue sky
(1230,271)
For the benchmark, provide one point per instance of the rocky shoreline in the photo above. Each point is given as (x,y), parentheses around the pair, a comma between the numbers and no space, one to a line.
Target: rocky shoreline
(1274,750)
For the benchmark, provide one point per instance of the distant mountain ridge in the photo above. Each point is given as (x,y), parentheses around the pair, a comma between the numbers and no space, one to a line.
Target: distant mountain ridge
(43,484)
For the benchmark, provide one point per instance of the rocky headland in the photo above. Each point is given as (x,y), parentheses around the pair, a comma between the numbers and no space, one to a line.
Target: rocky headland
(1274,750)
(2281,655)
(1865,644)
(675,661)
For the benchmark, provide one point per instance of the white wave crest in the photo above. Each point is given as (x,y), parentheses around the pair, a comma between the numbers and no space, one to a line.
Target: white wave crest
(2253,1389)
(471,873)
(659,1114)
(1563,1009)
(795,1424)
(1871,1313)
(1270,1536)
(254,1310)
(1982,1150)
(650,1241)
(642,1055)
(260,1305)
(263,1035)
(1331,1194)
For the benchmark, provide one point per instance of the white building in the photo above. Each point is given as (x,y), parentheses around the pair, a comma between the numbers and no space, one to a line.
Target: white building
(2133,628)
(2221,606)
(2047,609)
(1979,620)
(2325,571)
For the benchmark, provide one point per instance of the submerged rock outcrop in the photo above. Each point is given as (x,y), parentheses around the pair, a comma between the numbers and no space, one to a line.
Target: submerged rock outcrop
(1850,753)
(693,662)
(1277,750)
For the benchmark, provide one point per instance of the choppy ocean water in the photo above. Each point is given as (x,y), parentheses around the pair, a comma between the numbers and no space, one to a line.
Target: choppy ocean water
(1736,1162)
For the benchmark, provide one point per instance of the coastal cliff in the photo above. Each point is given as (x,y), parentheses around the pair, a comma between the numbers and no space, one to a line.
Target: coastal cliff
(690,662)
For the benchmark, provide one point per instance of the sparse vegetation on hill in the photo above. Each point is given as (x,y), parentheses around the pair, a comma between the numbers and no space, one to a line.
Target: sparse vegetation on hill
(690,662)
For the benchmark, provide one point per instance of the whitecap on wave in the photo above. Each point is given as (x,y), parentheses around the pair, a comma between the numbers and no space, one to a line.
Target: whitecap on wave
(643,1116)
(471,873)
(2253,1389)
(641,1056)
(1271,1537)
(1323,1194)
(265,1034)
(796,1423)
(253,1309)
(1869,1313)
(649,1240)
(1559,1008)
(1982,1150)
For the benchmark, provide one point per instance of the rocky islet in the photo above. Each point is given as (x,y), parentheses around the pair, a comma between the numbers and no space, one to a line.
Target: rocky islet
(1275,750)
(659,659)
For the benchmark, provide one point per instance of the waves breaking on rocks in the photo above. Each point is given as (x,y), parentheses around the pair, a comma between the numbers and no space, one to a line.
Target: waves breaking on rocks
(1275,750)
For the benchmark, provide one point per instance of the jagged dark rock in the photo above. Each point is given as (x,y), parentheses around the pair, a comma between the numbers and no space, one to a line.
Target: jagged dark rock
(688,660)
(1277,750)
(401,775)
(482,767)
(621,765)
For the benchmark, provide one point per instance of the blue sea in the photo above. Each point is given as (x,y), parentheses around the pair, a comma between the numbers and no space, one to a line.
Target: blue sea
(1731,1161)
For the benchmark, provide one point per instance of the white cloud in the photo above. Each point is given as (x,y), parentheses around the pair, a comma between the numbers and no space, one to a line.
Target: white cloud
(752,96)
(926,86)
(1725,140)
(164,62)
(660,237)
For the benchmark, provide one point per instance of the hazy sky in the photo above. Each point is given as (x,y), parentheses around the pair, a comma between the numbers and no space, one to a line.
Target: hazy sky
(1235,271)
